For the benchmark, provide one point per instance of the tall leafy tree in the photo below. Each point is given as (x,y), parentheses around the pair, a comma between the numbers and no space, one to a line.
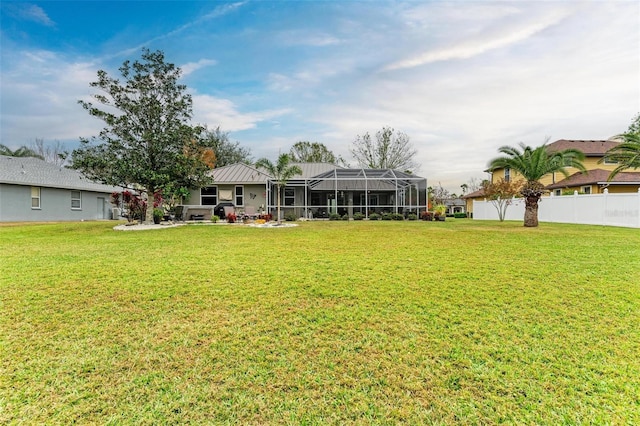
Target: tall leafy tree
(23,151)
(533,164)
(147,140)
(313,152)
(226,152)
(626,154)
(281,172)
(389,150)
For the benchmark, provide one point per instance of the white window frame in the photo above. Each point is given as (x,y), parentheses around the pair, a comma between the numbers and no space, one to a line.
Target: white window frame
(209,196)
(557,192)
(36,198)
(586,190)
(507,174)
(77,199)
(238,196)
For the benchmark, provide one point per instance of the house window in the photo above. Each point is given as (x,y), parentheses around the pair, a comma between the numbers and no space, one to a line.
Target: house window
(557,192)
(609,161)
(289,196)
(507,174)
(76,200)
(35,197)
(239,200)
(586,190)
(209,196)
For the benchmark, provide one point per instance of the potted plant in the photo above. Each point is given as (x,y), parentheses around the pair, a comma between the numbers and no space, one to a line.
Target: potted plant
(158,214)
(440,212)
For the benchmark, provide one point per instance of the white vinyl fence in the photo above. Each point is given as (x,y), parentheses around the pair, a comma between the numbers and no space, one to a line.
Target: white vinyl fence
(594,209)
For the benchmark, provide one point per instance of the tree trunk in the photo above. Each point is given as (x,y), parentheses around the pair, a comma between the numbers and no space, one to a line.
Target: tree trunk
(531,212)
(148,217)
(278,204)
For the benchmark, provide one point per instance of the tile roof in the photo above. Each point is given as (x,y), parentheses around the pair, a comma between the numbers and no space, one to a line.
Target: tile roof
(595,148)
(35,172)
(596,176)
(474,194)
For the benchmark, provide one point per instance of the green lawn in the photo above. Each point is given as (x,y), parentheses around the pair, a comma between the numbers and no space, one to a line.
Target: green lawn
(459,322)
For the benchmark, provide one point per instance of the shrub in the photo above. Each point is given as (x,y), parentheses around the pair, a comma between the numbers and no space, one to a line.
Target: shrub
(397,216)
(412,216)
(231,218)
(428,216)
(345,217)
(215,218)
(290,217)
(387,216)
(460,215)
(374,216)
(334,216)
(358,216)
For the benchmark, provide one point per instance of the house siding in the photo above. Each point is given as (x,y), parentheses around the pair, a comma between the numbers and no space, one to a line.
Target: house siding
(55,205)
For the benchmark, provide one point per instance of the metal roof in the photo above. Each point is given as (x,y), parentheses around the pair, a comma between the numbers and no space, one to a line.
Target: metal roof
(310,170)
(239,173)
(35,172)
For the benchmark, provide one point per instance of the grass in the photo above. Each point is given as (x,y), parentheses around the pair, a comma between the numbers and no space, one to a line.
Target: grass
(459,322)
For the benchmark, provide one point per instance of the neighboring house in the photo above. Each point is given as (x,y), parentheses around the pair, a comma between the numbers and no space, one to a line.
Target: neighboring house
(470,198)
(34,190)
(455,205)
(594,181)
(320,190)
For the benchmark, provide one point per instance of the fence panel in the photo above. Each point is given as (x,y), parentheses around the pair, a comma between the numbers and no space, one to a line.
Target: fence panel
(594,209)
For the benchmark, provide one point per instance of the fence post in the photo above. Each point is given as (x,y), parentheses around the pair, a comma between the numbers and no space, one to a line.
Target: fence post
(605,193)
(639,207)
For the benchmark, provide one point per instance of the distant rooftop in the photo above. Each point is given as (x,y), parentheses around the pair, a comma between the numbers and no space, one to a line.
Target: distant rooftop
(35,172)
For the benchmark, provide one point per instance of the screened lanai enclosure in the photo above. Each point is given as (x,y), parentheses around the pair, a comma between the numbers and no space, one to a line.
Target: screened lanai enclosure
(348,191)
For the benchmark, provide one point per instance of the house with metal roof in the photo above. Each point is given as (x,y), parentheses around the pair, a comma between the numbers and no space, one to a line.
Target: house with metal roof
(34,190)
(320,190)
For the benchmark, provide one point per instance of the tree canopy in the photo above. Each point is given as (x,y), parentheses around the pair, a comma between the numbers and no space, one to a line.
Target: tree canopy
(634,127)
(389,150)
(313,152)
(226,152)
(626,154)
(501,194)
(23,151)
(533,164)
(147,141)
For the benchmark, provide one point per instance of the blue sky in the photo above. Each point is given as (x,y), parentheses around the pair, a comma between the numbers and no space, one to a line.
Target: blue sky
(461,78)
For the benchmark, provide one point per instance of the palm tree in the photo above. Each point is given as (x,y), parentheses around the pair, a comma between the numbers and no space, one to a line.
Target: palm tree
(533,164)
(281,172)
(626,154)
(23,151)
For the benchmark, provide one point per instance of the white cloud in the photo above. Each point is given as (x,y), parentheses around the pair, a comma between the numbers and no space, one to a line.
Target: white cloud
(215,112)
(35,13)
(191,67)
(39,98)
(489,39)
